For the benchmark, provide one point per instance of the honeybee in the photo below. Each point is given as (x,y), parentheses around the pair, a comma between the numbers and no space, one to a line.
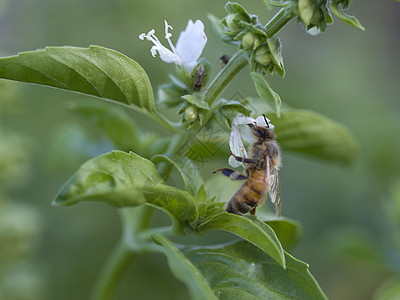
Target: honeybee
(261,177)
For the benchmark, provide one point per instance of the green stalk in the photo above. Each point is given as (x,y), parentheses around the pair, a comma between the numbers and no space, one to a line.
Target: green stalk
(134,220)
(237,62)
(112,272)
(281,18)
(157,116)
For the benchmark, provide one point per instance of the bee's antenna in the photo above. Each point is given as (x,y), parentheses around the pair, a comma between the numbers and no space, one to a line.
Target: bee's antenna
(265,119)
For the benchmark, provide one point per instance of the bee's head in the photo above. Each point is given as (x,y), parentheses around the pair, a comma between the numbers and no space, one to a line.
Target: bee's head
(262,132)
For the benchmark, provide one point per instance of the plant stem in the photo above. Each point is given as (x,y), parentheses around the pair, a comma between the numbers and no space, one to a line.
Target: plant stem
(157,116)
(237,62)
(134,220)
(281,18)
(109,278)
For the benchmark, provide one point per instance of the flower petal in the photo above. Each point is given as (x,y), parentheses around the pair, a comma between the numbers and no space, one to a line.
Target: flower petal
(191,43)
(235,139)
(246,134)
(241,119)
(236,143)
(166,55)
(260,120)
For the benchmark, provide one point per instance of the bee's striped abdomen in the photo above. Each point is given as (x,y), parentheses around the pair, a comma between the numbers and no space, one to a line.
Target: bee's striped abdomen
(249,194)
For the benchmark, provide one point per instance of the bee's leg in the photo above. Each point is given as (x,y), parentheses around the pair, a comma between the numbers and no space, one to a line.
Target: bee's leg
(243,159)
(231,174)
(253,211)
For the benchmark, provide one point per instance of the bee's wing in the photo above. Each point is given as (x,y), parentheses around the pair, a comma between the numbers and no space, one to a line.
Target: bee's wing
(275,191)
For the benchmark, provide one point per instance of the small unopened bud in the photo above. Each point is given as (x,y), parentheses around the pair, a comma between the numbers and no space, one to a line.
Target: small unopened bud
(191,114)
(306,11)
(231,21)
(248,40)
(262,55)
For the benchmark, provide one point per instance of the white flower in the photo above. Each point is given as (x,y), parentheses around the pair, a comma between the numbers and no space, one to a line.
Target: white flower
(241,132)
(191,43)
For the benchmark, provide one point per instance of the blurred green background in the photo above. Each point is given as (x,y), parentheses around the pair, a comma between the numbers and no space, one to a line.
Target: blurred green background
(350,214)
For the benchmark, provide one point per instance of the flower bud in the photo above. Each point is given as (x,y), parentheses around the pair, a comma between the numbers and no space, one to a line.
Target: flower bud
(248,40)
(190,114)
(232,22)
(306,11)
(262,55)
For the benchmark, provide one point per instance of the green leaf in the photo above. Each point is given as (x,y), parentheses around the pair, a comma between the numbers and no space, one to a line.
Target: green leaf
(249,228)
(94,71)
(126,179)
(184,270)
(219,28)
(288,231)
(312,134)
(271,4)
(187,169)
(351,20)
(113,122)
(242,271)
(275,47)
(177,204)
(236,8)
(199,103)
(253,41)
(266,93)
(109,178)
